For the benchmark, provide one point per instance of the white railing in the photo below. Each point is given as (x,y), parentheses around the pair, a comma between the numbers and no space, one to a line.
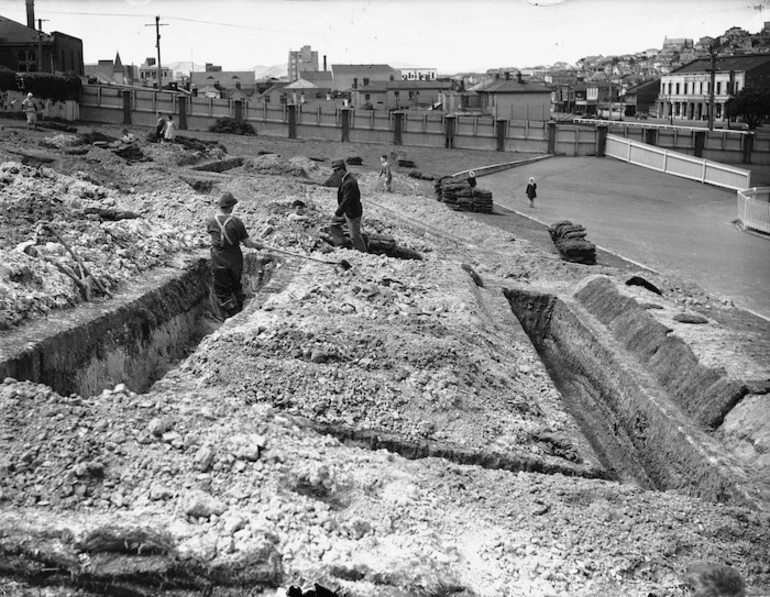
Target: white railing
(754,208)
(678,164)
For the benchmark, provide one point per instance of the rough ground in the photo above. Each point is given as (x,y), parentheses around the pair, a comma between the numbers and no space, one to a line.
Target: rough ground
(221,475)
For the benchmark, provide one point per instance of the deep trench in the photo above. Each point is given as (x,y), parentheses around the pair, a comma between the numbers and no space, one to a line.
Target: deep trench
(139,341)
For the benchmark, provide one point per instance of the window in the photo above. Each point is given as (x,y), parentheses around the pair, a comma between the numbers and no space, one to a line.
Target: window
(367,97)
(719,87)
(366,81)
(395,93)
(685,87)
(677,88)
(701,88)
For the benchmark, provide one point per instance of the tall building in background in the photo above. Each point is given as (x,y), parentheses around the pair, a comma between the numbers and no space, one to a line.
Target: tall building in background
(301,61)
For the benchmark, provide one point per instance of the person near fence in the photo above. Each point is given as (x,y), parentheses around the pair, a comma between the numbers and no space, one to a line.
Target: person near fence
(386,172)
(29,105)
(227,234)
(531,191)
(160,125)
(349,208)
(169,133)
(472,179)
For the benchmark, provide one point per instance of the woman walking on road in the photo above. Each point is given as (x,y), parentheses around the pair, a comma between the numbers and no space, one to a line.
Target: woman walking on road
(531,191)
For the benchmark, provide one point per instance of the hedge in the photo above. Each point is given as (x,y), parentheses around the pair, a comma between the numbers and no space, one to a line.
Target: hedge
(42,85)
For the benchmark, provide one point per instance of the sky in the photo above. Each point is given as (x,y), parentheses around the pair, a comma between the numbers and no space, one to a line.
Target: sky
(449,35)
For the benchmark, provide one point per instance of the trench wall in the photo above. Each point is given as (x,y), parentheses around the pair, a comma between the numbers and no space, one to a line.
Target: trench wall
(642,400)
(123,344)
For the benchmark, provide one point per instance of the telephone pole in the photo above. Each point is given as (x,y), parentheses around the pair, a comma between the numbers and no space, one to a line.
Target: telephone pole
(40,45)
(712,85)
(157,44)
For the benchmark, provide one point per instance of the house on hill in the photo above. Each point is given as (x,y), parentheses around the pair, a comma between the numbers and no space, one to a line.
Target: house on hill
(25,49)
(399,95)
(218,83)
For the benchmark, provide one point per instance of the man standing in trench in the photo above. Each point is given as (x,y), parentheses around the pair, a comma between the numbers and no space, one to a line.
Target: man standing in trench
(227,233)
(349,208)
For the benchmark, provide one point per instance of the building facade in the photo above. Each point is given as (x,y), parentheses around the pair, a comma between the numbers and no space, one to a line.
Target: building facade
(514,97)
(352,76)
(300,61)
(25,49)
(685,93)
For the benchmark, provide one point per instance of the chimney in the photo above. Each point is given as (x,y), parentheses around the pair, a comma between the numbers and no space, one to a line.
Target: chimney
(31,14)
(324,62)
(507,76)
(518,78)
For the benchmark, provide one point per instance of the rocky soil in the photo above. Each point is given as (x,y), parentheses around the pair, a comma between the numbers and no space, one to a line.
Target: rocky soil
(260,461)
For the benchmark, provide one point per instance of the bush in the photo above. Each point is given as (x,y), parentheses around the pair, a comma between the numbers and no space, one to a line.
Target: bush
(43,85)
(232,126)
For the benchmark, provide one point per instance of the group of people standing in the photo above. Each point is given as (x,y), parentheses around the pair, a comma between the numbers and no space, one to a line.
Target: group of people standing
(165,129)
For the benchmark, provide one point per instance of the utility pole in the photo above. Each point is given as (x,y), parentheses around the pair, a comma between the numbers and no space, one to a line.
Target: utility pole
(712,86)
(40,45)
(157,44)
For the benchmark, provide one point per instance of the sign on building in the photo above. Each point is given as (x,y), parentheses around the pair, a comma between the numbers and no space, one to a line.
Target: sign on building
(418,74)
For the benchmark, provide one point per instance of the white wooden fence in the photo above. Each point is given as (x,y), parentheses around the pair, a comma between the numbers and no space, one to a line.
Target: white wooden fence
(754,208)
(678,164)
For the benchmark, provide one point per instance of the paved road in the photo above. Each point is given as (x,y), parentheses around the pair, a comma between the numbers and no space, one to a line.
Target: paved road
(663,222)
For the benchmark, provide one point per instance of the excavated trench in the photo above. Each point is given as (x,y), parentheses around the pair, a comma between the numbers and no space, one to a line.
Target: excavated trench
(136,341)
(639,394)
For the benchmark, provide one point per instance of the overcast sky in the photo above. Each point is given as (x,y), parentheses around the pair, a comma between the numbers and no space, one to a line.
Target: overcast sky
(450,35)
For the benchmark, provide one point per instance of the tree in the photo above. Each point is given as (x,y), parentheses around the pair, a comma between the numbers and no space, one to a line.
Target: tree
(753,105)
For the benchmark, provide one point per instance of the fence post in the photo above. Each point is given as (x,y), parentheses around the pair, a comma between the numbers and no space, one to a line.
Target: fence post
(238,112)
(345,121)
(182,113)
(601,141)
(748,147)
(650,136)
(699,142)
(449,131)
(126,107)
(398,127)
(500,130)
(292,108)
(552,138)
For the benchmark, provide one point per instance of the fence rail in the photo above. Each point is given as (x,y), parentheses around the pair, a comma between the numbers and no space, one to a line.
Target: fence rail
(678,164)
(754,208)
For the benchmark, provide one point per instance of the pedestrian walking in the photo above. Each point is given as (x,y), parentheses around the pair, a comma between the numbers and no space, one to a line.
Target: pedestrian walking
(531,191)
(160,125)
(349,208)
(29,106)
(170,131)
(227,234)
(386,172)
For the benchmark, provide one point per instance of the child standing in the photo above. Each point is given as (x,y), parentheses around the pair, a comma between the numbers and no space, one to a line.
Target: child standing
(531,191)
(385,169)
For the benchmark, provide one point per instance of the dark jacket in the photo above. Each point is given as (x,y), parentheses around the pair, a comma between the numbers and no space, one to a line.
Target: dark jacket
(532,190)
(349,197)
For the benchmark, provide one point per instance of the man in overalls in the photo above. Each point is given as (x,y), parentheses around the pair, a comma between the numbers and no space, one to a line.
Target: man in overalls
(227,233)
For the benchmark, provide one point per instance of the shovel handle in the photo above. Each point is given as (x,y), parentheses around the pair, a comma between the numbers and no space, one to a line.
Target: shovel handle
(300,255)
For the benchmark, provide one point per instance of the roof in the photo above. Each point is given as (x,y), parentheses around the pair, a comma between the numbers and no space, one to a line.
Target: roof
(740,62)
(513,85)
(224,78)
(320,76)
(354,69)
(301,84)
(12,32)
(418,84)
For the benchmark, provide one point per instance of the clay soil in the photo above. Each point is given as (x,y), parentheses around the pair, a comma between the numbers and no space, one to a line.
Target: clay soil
(260,461)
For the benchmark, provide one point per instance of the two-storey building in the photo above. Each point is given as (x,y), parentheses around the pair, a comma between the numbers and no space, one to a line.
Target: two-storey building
(685,93)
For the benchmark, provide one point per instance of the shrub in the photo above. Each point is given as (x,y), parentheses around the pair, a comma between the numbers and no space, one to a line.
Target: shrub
(42,85)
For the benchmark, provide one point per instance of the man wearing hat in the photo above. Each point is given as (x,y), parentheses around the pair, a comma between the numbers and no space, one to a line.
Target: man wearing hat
(30,109)
(349,208)
(227,233)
